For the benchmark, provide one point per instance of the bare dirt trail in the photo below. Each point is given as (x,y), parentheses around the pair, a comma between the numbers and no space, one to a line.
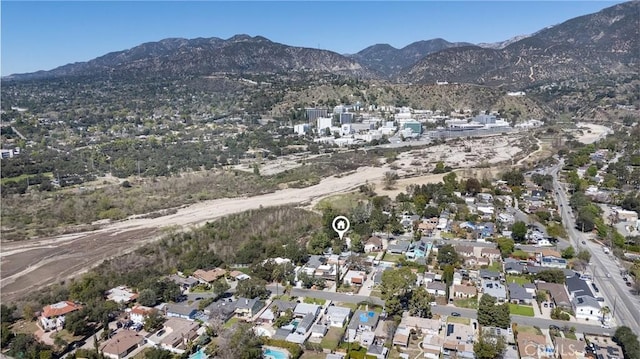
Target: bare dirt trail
(31,264)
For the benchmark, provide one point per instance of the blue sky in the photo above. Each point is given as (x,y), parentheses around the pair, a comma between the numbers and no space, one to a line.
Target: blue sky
(43,35)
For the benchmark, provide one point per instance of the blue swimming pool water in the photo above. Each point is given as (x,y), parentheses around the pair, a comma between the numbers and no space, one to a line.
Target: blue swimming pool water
(198,355)
(275,354)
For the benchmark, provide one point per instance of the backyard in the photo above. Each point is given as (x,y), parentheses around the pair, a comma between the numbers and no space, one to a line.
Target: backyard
(332,339)
(517,279)
(528,329)
(517,309)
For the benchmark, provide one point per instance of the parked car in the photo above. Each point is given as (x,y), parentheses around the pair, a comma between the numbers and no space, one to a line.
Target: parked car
(160,332)
(554,327)
(455,314)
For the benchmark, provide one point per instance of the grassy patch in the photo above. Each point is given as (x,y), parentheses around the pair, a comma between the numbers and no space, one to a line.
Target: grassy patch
(570,335)
(517,279)
(521,310)
(459,320)
(376,293)
(447,235)
(471,303)
(332,339)
(142,354)
(352,306)
(317,301)
(496,266)
(66,336)
(341,202)
(390,257)
(24,327)
(519,253)
(313,355)
(23,177)
(529,329)
(231,322)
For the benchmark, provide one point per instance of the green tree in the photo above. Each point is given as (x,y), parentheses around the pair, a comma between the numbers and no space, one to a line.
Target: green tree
(439,168)
(513,177)
(153,321)
(357,245)
(447,255)
(486,310)
(420,303)
(240,342)
(6,334)
(396,283)
(284,319)
(506,246)
(473,186)
(628,340)
(489,346)
(519,231)
(390,179)
(76,323)
(584,255)
(551,276)
(220,286)
(6,313)
(148,297)
(490,314)
(251,288)
(568,252)
(393,306)
(447,275)
(450,182)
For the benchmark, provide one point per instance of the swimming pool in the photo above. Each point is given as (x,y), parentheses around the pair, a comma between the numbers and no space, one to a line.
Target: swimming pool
(275,354)
(199,355)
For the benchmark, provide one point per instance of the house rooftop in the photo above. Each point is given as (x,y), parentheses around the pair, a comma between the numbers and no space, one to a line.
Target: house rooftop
(578,287)
(121,294)
(60,308)
(361,317)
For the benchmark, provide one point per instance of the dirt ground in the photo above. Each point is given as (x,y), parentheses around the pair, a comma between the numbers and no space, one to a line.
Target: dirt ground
(31,264)
(592,132)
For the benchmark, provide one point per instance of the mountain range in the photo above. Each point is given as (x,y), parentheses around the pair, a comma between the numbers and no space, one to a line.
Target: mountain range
(604,42)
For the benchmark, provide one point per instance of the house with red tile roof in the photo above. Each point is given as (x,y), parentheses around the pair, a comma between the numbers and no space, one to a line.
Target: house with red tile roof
(52,316)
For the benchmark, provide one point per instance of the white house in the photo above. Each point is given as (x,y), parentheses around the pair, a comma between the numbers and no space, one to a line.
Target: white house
(303,309)
(337,316)
(437,288)
(139,313)
(586,307)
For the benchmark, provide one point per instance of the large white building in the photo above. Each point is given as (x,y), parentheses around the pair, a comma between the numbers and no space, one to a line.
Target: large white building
(323,123)
(301,129)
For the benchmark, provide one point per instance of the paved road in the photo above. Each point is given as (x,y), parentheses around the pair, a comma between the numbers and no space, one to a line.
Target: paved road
(531,321)
(447,310)
(528,248)
(616,293)
(336,297)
